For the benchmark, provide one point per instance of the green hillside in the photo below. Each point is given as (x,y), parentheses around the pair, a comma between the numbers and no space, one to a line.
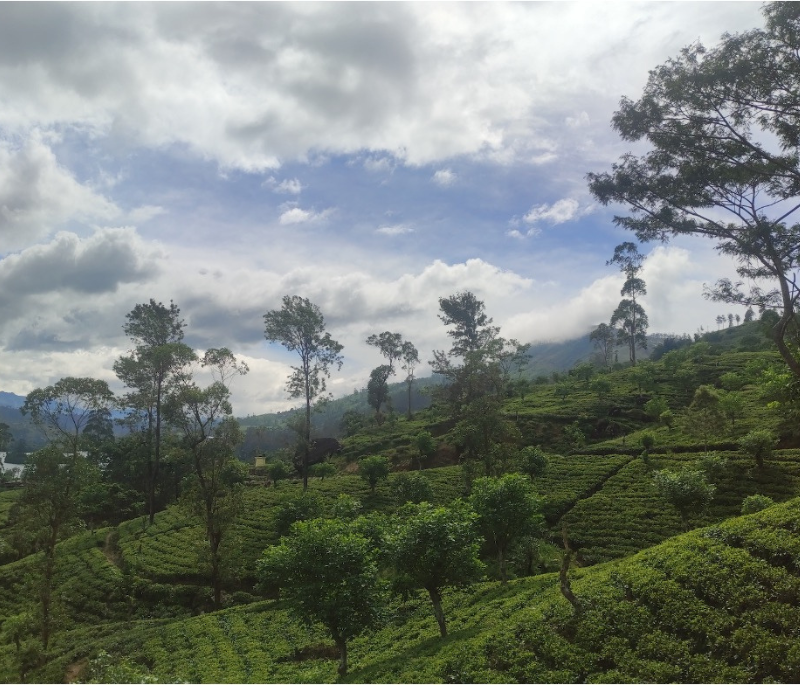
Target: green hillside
(134,601)
(719,604)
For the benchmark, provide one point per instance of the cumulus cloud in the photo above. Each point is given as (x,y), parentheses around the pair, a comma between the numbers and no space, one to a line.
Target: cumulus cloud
(296,215)
(272,82)
(56,295)
(444,178)
(37,194)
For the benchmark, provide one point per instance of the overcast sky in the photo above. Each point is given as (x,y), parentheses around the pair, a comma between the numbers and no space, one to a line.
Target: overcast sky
(370,157)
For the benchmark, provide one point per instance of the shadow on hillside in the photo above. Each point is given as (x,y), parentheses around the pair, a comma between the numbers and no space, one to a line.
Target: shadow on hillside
(430,647)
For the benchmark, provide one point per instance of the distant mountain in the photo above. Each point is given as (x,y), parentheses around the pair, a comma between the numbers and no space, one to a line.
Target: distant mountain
(9,399)
(547,357)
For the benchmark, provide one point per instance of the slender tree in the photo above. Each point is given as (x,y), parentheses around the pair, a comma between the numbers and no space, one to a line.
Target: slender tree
(604,340)
(629,316)
(409,361)
(300,327)
(209,433)
(49,507)
(150,370)
(471,326)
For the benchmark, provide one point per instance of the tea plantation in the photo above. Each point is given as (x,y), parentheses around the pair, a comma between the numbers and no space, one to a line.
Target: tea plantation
(710,597)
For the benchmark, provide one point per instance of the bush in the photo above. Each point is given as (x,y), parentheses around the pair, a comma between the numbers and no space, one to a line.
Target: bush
(533,462)
(754,503)
(323,470)
(758,444)
(298,508)
(688,491)
(373,469)
(412,487)
(346,507)
(277,470)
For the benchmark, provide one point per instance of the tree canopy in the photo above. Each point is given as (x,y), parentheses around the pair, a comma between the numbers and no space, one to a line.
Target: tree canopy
(723,126)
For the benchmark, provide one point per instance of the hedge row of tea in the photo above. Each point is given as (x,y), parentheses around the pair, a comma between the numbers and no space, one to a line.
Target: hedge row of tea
(719,604)
(628,514)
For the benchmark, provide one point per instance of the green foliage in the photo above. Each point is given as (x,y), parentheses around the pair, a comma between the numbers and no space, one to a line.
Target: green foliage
(655,407)
(434,548)
(352,422)
(758,444)
(602,387)
(346,507)
(323,470)
(107,669)
(327,573)
(279,470)
(647,440)
(533,462)
(373,469)
(507,508)
(704,418)
(485,435)
(731,381)
(412,487)
(753,503)
(425,444)
(713,466)
(294,508)
(688,491)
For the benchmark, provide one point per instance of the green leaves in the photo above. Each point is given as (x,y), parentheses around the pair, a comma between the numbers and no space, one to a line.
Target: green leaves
(327,573)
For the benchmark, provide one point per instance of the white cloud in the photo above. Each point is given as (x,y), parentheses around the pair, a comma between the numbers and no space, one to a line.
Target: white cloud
(380,164)
(398,229)
(144,213)
(558,213)
(38,195)
(444,178)
(578,121)
(254,84)
(288,186)
(296,215)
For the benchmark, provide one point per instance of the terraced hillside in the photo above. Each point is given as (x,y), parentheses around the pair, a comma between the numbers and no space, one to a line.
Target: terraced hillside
(134,602)
(718,604)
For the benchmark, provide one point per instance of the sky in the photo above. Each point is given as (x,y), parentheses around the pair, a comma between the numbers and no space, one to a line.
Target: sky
(371,157)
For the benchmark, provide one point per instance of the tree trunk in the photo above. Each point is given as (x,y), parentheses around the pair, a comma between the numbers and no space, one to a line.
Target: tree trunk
(501,562)
(307,440)
(564,584)
(341,644)
(47,593)
(436,600)
(409,401)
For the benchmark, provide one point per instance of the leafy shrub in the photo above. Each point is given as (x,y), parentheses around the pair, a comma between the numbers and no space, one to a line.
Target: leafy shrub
(713,466)
(412,487)
(688,491)
(373,469)
(323,470)
(533,462)
(277,470)
(346,507)
(754,503)
(297,508)
(758,444)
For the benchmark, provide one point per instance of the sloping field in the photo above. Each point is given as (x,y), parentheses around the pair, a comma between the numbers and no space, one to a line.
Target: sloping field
(719,604)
